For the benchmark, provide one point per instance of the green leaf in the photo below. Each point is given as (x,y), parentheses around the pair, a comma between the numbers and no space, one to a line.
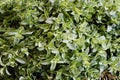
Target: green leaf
(71,46)
(7,72)
(49,21)
(53,65)
(56,51)
(20,60)
(59,74)
(109,28)
(2,71)
(21,78)
(1,63)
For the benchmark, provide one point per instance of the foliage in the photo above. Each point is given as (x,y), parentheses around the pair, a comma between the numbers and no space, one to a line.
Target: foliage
(59,39)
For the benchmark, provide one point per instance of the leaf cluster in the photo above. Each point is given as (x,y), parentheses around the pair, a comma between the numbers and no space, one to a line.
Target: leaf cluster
(59,39)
